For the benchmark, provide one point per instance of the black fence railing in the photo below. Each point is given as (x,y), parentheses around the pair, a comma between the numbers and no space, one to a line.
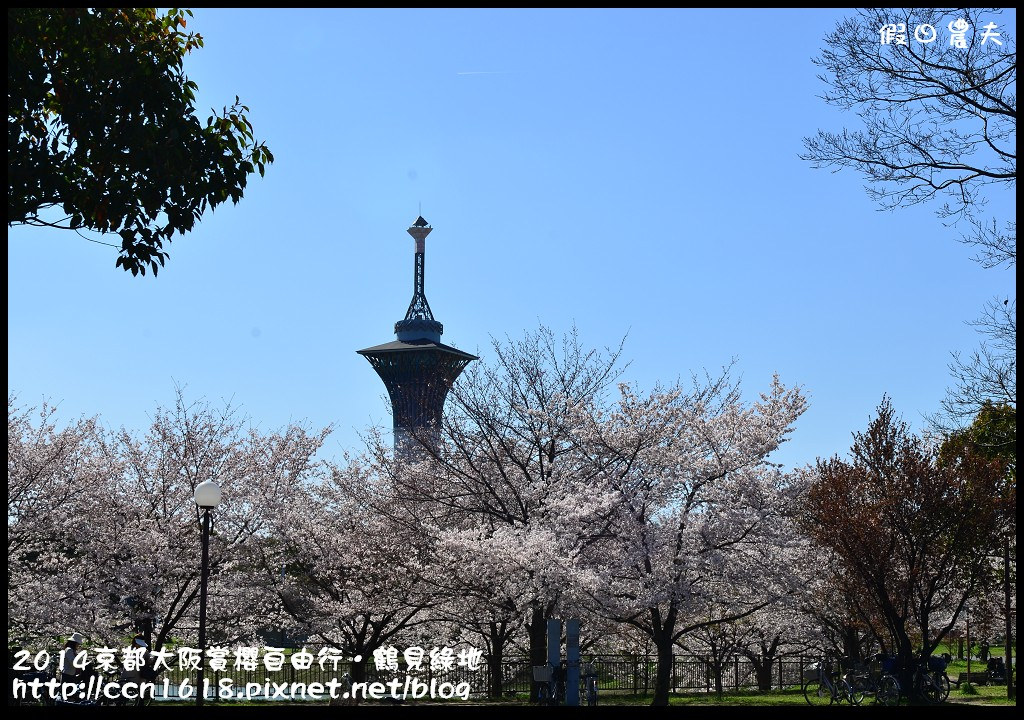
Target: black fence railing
(616,674)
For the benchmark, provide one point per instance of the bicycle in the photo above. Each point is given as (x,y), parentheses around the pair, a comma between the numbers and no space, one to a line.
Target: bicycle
(27,697)
(830,687)
(877,679)
(116,683)
(547,691)
(588,688)
(931,681)
(995,670)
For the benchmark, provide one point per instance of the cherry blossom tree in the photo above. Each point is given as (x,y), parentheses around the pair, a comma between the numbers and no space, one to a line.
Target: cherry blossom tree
(129,561)
(717,644)
(506,484)
(783,628)
(545,494)
(342,572)
(696,511)
(638,508)
(52,476)
(152,554)
(480,603)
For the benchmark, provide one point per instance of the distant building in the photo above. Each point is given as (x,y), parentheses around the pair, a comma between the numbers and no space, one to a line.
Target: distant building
(417,369)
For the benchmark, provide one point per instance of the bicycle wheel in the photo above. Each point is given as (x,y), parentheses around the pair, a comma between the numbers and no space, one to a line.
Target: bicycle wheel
(943,684)
(888,692)
(592,693)
(544,694)
(817,693)
(855,686)
(928,688)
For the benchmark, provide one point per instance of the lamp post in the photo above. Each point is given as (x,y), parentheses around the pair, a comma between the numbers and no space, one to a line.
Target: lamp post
(967,607)
(1011,691)
(207,498)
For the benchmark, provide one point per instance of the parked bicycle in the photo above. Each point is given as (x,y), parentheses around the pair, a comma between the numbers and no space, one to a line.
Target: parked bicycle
(930,680)
(876,679)
(24,679)
(830,686)
(588,684)
(995,670)
(121,693)
(550,684)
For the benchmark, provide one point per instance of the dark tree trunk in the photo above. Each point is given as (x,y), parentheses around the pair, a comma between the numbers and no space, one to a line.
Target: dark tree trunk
(906,663)
(763,672)
(663,675)
(497,632)
(717,668)
(717,665)
(664,642)
(851,643)
(764,662)
(359,669)
(496,685)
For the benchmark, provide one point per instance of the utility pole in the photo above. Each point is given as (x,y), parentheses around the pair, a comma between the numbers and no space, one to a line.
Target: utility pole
(1011,692)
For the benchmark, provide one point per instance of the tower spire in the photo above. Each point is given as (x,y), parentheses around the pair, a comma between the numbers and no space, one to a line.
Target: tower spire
(419,322)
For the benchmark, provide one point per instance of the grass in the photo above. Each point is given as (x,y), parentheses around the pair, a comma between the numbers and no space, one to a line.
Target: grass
(984,695)
(987,695)
(793,697)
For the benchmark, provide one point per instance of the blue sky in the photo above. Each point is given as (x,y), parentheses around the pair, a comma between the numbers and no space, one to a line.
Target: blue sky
(629,171)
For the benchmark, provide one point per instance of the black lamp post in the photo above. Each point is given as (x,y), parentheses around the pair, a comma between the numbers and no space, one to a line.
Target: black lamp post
(967,608)
(207,498)
(1011,690)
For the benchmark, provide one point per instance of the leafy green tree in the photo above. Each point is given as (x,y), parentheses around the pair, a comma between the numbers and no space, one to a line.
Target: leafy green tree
(993,435)
(102,133)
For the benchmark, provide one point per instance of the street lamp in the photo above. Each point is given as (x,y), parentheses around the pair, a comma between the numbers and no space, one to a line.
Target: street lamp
(207,498)
(967,609)
(1011,690)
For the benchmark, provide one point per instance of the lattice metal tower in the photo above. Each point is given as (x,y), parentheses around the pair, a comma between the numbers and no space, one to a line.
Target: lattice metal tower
(417,369)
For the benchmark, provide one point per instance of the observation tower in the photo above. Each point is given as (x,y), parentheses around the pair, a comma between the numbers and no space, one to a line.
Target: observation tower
(417,368)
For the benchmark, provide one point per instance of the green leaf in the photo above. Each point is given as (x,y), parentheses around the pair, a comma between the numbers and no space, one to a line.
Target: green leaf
(156,161)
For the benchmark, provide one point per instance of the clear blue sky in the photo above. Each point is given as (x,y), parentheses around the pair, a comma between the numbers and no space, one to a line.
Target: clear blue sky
(624,170)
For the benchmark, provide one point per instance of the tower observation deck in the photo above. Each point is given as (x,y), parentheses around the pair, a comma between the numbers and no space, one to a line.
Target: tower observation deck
(417,368)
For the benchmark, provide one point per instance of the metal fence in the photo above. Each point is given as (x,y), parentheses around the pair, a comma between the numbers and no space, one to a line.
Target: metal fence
(616,674)
(636,675)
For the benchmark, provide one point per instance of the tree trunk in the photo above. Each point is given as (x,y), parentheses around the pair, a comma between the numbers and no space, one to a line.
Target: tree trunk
(851,643)
(763,672)
(663,675)
(718,666)
(359,669)
(906,663)
(764,662)
(497,633)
